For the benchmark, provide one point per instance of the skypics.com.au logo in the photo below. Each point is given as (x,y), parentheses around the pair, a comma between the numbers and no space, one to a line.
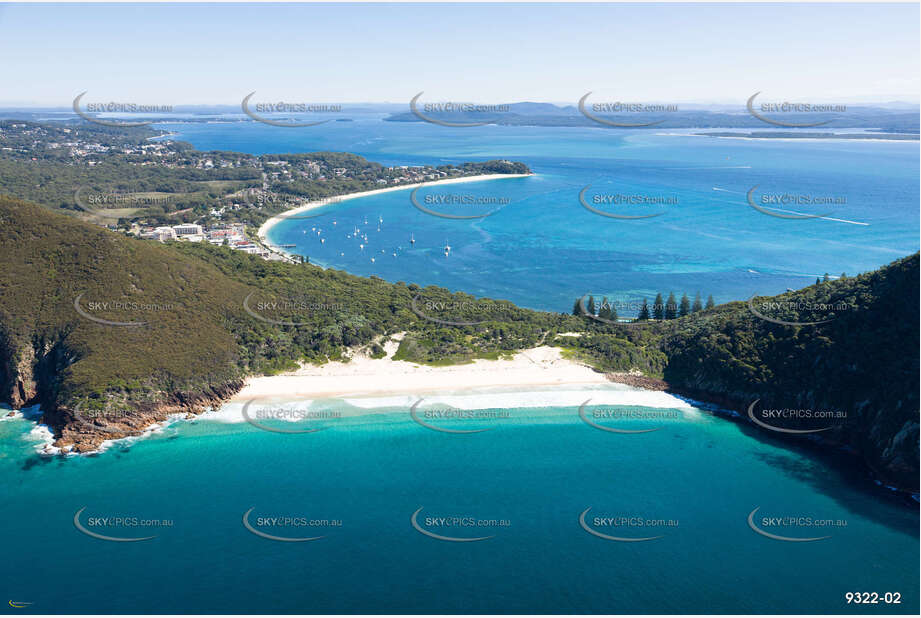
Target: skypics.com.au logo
(458,205)
(618,111)
(623,419)
(456,110)
(99,202)
(94,308)
(773,310)
(296,311)
(635,528)
(288,418)
(794,420)
(120,524)
(283,109)
(100,420)
(769,527)
(789,205)
(785,109)
(455,524)
(619,205)
(287,528)
(455,312)
(117,107)
(446,419)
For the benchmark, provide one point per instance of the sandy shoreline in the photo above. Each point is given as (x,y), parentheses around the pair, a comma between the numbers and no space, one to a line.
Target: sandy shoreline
(744,136)
(373,385)
(264,228)
(364,376)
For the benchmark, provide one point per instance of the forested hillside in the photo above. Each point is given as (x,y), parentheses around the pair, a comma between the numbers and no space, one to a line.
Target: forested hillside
(126,331)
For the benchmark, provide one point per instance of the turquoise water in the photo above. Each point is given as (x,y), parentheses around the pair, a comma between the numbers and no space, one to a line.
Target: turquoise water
(528,478)
(534,472)
(543,249)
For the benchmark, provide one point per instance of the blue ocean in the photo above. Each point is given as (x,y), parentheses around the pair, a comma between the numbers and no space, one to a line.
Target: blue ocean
(540,512)
(542,249)
(521,486)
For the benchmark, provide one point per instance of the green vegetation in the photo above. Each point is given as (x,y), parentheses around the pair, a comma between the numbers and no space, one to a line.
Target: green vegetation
(643,315)
(48,163)
(658,308)
(697,306)
(850,347)
(861,361)
(124,177)
(197,333)
(662,310)
(203,317)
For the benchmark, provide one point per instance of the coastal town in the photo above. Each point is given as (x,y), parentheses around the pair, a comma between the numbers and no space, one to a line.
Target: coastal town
(144,182)
(232,235)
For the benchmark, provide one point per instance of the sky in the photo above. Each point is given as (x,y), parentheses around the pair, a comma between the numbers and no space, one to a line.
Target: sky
(175,54)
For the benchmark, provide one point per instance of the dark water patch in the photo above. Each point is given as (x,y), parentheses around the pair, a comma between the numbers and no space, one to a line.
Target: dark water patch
(827,469)
(35,461)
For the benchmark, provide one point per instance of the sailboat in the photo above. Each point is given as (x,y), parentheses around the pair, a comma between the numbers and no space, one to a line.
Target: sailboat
(447,248)
(412,239)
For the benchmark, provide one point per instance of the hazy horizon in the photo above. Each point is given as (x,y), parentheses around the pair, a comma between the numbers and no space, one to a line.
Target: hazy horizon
(701,105)
(699,54)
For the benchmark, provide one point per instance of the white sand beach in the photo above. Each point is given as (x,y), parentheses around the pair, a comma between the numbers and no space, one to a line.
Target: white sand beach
(264,228)
(364,376)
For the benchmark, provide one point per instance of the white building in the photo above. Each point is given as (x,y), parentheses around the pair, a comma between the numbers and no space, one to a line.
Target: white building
(164,233)
(188,229)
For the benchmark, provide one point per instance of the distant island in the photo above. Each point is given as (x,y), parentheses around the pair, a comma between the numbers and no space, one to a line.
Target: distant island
(808,135)
(894,118)
(882,119)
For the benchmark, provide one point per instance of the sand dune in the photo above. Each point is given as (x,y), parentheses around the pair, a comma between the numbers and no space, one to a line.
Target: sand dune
(541,366)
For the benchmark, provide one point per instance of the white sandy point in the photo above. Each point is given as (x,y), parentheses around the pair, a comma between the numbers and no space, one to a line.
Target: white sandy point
(264,228)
